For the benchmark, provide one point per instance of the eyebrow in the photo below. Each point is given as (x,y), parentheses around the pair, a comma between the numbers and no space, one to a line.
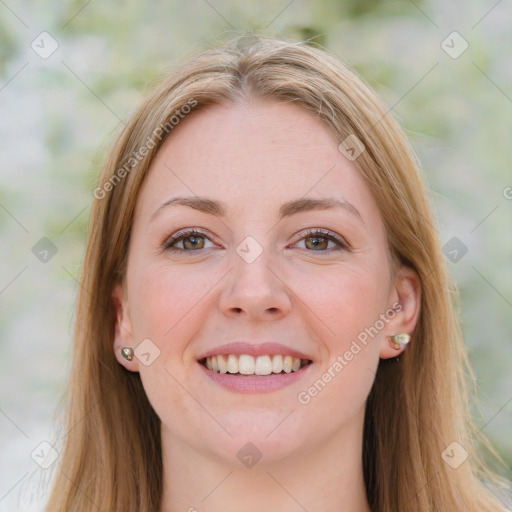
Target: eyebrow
(219,209)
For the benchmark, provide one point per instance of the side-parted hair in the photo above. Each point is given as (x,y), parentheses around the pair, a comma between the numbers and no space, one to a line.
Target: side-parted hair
(111,450)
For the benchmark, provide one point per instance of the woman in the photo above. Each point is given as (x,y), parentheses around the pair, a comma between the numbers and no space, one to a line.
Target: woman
(265,320)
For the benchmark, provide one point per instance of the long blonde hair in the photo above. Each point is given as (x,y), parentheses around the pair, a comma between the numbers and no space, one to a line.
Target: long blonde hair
(111,453)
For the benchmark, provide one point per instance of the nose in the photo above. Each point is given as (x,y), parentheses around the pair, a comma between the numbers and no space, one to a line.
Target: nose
(255,290)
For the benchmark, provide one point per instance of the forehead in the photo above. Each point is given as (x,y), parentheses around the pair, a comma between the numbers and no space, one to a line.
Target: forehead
(257,154)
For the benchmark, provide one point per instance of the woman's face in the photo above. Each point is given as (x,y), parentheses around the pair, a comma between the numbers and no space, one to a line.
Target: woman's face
(255,275)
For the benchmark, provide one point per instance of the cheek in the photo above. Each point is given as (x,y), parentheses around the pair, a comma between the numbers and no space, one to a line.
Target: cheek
(165,306)
(165,302)
(346,300)
(349,302)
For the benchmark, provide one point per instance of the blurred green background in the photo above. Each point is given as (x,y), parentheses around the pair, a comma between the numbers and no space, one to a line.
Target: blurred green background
(60,111)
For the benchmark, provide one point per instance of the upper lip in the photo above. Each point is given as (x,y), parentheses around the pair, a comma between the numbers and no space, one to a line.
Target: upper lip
(254,349)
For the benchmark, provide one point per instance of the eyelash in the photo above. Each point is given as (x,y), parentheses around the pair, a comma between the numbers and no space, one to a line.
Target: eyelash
(310,233)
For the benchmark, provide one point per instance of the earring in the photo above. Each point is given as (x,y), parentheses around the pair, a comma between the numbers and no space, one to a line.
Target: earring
(399,340)
(127,353)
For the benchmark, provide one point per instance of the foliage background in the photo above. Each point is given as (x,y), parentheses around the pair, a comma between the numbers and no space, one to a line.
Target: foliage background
(58,116)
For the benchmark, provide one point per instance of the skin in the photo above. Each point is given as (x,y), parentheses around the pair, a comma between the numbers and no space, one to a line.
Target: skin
(254,157)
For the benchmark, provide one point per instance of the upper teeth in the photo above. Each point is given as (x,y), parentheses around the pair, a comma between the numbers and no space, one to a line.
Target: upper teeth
(248,365)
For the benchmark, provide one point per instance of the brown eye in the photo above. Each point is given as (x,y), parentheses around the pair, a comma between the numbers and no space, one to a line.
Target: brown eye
(191,240)
(317,242)
(195,242)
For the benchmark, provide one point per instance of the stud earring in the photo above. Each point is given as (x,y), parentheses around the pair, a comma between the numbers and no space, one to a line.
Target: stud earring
(127,353)
(399,340)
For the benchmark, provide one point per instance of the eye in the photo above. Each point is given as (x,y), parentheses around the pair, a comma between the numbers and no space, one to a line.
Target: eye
(318,240)
(192,240)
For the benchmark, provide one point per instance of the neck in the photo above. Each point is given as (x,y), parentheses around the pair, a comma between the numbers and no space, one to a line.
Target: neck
(325,478)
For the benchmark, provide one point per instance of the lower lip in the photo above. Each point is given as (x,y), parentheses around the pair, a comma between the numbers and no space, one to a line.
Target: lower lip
(255,383)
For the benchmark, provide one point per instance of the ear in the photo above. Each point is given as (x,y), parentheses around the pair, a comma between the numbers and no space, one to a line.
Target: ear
(405,300)
(123,337)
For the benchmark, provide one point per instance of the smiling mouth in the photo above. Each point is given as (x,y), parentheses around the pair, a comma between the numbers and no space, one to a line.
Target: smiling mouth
(248,365)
